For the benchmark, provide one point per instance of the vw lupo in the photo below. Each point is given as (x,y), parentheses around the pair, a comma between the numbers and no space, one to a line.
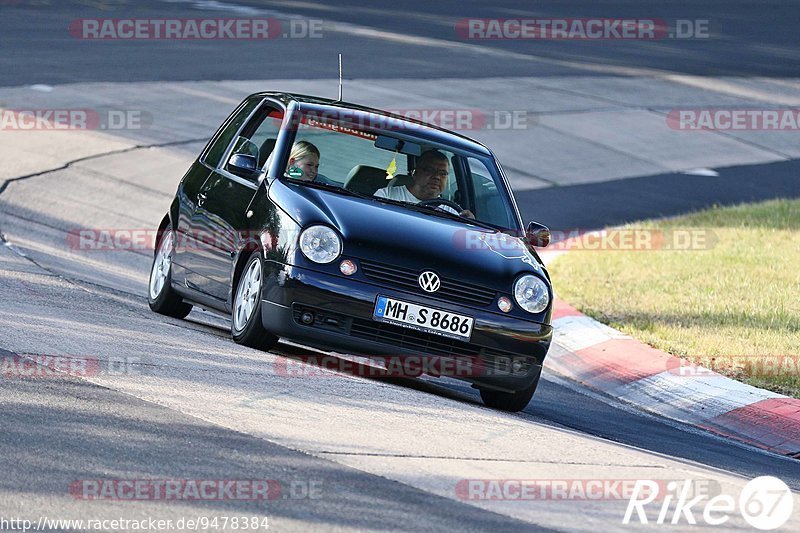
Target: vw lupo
(326,263)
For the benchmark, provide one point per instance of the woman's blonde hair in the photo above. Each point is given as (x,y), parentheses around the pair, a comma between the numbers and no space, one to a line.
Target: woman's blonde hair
(301,149)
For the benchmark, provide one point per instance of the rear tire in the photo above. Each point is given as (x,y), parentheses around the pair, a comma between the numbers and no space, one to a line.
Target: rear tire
(246,326)
(160,296)
(509,401)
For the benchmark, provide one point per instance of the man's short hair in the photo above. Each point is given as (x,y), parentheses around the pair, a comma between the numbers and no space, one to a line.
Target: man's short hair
(433,154)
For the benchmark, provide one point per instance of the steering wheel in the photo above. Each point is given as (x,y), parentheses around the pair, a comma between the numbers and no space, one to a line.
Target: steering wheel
(441,201)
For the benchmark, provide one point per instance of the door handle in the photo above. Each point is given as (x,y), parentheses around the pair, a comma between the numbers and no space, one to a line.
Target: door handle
(201,198)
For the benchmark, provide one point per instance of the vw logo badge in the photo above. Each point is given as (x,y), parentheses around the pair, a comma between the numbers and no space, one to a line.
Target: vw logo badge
(429,281)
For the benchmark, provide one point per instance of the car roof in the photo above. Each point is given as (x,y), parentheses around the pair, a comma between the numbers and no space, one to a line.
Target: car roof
(425,130)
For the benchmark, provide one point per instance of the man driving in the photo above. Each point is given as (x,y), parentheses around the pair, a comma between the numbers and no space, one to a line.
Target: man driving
(428,181)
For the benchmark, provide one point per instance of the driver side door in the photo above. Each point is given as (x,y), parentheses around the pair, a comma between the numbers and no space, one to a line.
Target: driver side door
(223,201)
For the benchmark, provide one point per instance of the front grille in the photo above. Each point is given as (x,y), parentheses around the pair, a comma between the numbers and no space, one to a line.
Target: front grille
(406,278)
(495,362)
(410,339)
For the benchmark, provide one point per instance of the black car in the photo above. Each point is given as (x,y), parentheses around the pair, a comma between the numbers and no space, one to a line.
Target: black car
(406,242)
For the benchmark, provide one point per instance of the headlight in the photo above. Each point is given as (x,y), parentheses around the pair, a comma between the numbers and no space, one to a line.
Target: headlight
(320,244)
(530,292)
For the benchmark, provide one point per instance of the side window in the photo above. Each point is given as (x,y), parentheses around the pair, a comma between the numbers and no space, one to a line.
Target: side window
(261,134)
(489,203)
(227,132)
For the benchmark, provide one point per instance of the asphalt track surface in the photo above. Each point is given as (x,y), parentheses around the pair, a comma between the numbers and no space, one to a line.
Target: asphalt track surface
(752,39)
(598,205)
(55,431)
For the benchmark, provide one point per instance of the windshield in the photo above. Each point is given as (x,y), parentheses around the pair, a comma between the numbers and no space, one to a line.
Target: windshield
(390,166)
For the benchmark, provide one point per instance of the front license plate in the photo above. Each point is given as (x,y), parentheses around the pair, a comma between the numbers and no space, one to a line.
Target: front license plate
(423,318)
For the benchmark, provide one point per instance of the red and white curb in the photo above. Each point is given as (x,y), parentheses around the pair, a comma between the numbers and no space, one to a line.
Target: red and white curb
(606,360)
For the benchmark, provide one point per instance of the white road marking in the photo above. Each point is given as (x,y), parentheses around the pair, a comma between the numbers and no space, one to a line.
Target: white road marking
(575,333)
(690,398)
(701,172)
(204,94)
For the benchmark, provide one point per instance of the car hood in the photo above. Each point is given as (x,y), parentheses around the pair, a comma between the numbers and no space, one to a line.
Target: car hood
(394,235)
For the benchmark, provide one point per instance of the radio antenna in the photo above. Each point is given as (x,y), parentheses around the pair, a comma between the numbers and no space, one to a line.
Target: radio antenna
(340,78)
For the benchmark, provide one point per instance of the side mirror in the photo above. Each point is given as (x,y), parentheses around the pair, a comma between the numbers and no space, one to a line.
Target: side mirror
(538,234)
(243,165)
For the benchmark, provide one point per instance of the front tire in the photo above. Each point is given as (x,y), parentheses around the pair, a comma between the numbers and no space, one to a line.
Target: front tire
(246,327)
(509,401)
(160,296)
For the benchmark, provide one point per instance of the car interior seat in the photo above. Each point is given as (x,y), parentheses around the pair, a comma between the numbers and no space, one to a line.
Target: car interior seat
(265,151)
(365,179)
(400,180)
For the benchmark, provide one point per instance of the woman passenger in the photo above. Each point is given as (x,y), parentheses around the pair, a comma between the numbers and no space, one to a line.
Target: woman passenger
(304,158)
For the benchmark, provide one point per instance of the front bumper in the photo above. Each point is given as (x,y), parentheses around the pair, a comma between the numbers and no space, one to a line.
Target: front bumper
(511,351)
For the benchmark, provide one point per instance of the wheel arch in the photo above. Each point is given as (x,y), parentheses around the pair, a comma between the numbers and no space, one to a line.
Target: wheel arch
(166,223)
(245,251)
